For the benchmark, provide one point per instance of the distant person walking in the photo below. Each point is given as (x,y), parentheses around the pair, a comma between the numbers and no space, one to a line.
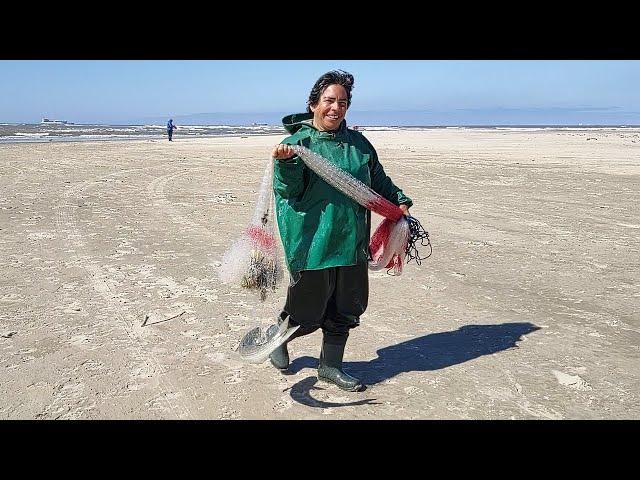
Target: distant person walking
(170,128)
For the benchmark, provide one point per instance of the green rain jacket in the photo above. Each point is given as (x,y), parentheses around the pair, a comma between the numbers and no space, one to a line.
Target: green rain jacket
(321,227)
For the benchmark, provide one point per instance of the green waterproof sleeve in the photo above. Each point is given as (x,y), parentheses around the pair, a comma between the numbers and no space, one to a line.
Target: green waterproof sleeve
(288,177)
(382,184)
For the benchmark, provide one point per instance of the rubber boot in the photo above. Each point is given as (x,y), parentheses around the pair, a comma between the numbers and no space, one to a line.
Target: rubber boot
(330,368)
(280,357)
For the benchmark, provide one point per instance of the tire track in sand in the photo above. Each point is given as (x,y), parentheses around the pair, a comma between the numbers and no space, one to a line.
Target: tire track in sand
(155,190)
(67,225)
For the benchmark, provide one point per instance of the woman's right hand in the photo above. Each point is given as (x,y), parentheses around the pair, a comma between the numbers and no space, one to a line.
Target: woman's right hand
(282,152)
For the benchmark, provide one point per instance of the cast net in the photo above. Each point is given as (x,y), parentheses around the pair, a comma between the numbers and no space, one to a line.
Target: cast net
(396,237)
(253,260)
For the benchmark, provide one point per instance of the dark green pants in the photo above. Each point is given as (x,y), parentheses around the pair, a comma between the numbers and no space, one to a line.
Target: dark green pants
(331,299)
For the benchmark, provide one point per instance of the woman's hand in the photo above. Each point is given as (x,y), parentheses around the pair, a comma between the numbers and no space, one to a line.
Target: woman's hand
(282,152)
(405,210)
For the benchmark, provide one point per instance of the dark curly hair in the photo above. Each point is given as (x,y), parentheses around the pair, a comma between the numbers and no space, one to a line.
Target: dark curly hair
(334,77)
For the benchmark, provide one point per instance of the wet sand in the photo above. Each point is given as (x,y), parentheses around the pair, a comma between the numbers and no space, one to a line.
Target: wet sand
(527,309)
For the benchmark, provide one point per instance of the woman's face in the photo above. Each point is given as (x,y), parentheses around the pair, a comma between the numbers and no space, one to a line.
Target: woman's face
(330,110)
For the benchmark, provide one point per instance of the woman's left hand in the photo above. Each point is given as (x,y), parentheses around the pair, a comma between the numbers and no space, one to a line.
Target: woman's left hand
(405,210)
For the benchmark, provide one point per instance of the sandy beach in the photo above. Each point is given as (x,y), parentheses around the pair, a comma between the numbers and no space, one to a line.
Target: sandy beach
(527,309)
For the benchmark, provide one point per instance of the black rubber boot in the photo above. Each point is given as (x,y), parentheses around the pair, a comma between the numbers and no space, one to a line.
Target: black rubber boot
(280,357)
(330,368)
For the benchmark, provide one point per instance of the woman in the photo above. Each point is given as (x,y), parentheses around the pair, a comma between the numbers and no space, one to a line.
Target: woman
(325,234)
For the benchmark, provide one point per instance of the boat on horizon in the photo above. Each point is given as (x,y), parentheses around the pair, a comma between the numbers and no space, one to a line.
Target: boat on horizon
(55,122)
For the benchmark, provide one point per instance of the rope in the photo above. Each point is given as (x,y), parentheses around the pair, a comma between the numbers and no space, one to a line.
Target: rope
(417,232)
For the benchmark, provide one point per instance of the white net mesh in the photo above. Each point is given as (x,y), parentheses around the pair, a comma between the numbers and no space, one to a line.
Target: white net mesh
(389,242)
(337,178)
(253,260)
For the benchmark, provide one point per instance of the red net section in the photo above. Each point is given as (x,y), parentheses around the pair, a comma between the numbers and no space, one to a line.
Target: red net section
(384,207)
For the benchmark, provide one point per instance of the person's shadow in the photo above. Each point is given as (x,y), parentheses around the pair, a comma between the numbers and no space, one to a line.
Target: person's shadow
(429,352)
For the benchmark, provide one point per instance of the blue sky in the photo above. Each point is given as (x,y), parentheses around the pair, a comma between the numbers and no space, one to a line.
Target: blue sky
(387,92)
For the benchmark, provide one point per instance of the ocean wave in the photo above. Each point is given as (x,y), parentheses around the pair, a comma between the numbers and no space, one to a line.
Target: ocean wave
(71,132)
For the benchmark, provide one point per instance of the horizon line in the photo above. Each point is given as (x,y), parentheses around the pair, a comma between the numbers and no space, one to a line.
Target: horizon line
(256,124)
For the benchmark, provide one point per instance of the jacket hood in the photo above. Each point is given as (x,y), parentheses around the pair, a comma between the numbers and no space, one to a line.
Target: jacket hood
(294,122)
